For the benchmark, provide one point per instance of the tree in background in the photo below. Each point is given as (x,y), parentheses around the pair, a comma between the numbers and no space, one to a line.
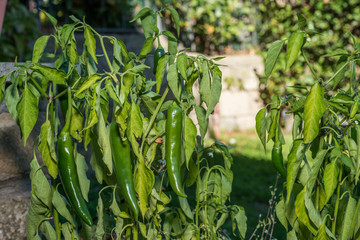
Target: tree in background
(329,24)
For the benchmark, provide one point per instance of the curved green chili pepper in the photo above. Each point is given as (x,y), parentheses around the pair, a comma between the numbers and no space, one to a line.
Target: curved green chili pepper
(173,149)
(67,169)
(277,158)
(159,52)
(120,151)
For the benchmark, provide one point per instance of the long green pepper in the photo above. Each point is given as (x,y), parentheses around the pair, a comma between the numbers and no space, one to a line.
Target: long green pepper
(67,169)
(120,151)
(173,149)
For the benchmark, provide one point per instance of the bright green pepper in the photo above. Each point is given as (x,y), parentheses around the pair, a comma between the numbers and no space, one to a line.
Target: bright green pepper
(120,151)
(67,169)
(159,52)
(173,149)
(277,158)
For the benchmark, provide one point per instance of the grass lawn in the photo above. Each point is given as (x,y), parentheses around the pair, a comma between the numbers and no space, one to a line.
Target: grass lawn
(254,177)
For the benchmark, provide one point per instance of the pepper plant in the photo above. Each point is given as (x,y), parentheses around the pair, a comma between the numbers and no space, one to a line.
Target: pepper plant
(146,154)
(320,198)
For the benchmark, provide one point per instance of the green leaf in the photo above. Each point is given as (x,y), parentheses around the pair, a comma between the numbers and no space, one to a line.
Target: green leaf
(173,81)
(142,13)
(144,182)
(281,213)
(90,42)
(139,68)
(88,83)
(100,228)
(301,211)
(321,234)
(147,47)
(36,213)
(203,122)
(12,99)
(2,86)
(47,229)
(261,126)
(337,52)
(69,232)
(315,167)
(181,63)
(39,184)
(272,56)
(147,24)
(160,70)
(294,45)
(340,71)
(204,86)
(184,204)
(293,166)
(51,74)
(347,220)
(314,109)
(330,179)
(215,91)
(81,169)
(168,34)
(76,126)
(302,22)
(28,112)
(190,133)
(176,19)
(59,203)
(47,149)
(239,219)
(39,47)
(51,18)
(136,123)
(103,132)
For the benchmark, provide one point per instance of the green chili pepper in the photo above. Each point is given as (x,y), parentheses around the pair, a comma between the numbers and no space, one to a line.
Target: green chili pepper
(277,158)
(159,52)
(173,149)
(120,151)
(67,169)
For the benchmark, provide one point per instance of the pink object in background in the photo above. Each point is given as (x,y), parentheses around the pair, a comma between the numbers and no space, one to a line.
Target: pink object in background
(2,12)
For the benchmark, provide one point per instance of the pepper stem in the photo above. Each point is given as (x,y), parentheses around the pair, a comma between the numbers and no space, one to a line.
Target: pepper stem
(69,110)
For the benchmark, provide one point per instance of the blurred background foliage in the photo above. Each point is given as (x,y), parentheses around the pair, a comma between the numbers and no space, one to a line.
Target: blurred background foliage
(207,26)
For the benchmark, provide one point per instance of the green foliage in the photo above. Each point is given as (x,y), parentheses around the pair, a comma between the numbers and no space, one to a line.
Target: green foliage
(216,26)
(321,199)
(19,29)
(120,94)
(325,17)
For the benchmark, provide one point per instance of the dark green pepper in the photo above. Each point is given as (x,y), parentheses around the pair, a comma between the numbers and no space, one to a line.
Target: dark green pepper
(173,149)
(120,151)
(277,158)
(67,169)
(159,52)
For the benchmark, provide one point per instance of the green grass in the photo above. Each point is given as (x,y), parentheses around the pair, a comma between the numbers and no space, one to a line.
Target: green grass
(254,177)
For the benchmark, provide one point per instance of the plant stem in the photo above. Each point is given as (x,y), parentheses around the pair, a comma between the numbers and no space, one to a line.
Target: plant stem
(56,214)
(59,95)
(153,117)
(308,63)
(104,50)
(197,198)
(333,227)
(336,73)
(39,88)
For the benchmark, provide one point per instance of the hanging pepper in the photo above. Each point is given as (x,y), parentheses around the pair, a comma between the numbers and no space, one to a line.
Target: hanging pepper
(120,151)
(67,168)
(173,149)
(159,52)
